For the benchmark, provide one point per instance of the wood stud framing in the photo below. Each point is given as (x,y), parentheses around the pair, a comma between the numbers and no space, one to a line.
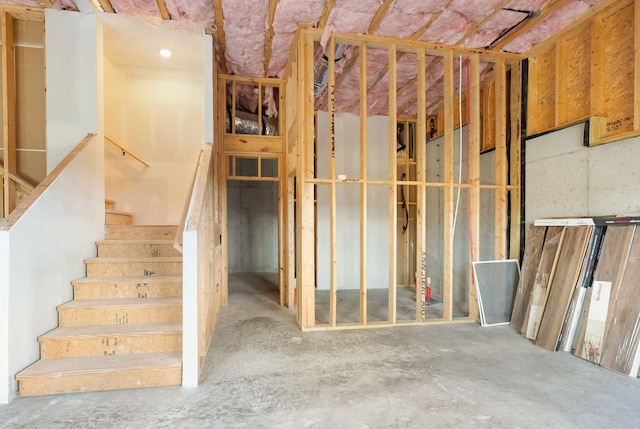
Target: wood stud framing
(302,81)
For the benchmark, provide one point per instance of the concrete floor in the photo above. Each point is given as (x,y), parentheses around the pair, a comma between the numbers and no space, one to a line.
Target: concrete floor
(262,372)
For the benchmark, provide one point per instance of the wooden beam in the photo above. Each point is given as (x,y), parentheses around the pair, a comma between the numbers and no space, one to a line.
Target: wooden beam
(546,10)
(474,121)
(447,279)
(381,13)
(421,208)
(9,112)
(501,162)
(268,40)
(363,184)
(306,283)
(46,3)
(393,194)
(515,157)
(106,6)
(636,80)
(328,7)
(219,18)
(333,259)
(162,7)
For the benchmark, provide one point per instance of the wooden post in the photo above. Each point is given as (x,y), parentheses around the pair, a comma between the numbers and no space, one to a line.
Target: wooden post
(421,164)
(9,113)
(447,287)
(515,158)
(393,197)
(636,80)
(474,178)
(333,260)
(306,285)
(363,183)
(501,161)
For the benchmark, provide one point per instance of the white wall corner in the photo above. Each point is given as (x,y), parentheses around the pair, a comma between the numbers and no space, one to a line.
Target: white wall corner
(207,55)
(7,392)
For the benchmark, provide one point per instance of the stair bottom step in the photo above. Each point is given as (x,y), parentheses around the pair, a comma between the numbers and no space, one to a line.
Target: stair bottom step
(98,373)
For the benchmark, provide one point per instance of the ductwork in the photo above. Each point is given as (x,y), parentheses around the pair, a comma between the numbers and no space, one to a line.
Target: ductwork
(321,77)
(247,123)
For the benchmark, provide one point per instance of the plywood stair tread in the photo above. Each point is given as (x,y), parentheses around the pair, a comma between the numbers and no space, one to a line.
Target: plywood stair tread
(98,365)
(129,279)
(122,303)
(136,241)
(118,212)
(135,259)
(113,330)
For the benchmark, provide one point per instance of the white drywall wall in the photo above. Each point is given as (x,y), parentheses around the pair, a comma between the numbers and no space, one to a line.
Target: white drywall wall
(158,114)
(72,60)
(565,178)
(42,253)
(347,147)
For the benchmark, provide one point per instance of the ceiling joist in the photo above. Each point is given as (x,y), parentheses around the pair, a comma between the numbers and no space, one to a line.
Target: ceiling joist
(162,7)
(328,7)
(268,41)
(46,3)
(106,6)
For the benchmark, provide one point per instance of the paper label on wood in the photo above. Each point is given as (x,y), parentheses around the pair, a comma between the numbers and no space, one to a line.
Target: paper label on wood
(535,315)
(538,295)
(596,323)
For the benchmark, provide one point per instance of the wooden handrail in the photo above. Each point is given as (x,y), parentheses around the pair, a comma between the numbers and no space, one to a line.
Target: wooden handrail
(177,242)
(125,150)
(28,187)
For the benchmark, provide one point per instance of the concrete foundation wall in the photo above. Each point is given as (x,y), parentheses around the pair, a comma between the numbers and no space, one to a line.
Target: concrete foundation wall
(565,178)
(347,159)
(253,226)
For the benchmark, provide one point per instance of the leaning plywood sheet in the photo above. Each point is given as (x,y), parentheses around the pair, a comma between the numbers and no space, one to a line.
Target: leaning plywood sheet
(544,277)
(610,270)
(564,282)
(530,261)
(623,330)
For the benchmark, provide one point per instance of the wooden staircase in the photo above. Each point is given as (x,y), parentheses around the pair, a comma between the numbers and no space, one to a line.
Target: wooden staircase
(123,328)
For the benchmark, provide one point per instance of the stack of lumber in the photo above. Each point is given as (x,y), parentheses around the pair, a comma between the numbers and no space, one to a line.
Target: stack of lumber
(579,290)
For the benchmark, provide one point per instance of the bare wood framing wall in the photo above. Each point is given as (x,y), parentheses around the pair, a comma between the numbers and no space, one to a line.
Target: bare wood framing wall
(22,143)
(301,153)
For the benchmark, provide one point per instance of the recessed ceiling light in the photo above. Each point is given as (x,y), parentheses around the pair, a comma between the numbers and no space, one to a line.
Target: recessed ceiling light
(165,53)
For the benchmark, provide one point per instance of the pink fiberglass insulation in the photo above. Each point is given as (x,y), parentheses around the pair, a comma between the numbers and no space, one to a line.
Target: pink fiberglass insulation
(285,23)
(291,12)
(197,12)
(28,3)
(64,4)
(280,50)
(353,16)
(395,24)
(145,9)
(245,24)
(448,28)
(474,10)
(548,27)
(530,5)
(491,30)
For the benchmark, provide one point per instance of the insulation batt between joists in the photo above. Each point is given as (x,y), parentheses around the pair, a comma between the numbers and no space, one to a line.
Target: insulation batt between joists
(551,25)
(198,13)
(285,24)
(145,9)
(492,29)
(245,25)
(28,3)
